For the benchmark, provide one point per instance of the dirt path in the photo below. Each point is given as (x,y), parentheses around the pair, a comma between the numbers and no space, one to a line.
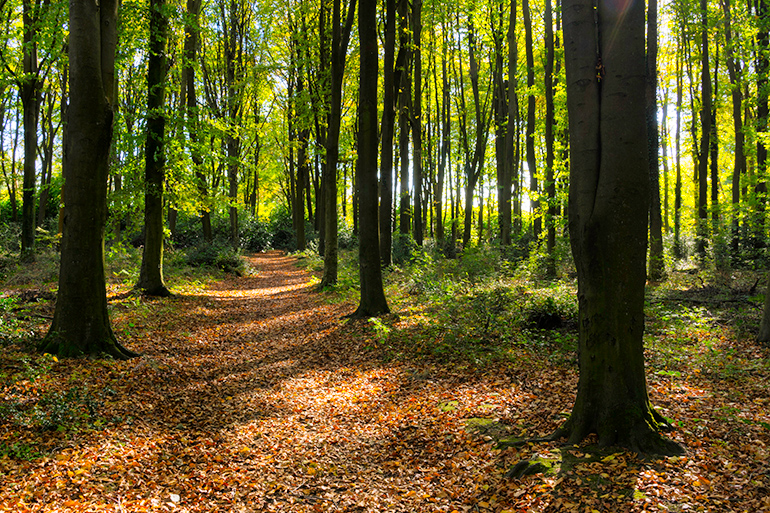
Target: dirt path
(253,396)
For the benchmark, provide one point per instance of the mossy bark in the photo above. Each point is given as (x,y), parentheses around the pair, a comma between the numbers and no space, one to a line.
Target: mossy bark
(81,324)
(609,198)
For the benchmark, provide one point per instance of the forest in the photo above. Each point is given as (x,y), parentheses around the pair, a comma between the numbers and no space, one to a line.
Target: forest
(489,256)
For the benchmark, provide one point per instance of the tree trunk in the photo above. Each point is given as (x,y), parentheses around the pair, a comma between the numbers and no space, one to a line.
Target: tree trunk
(372,301)
(657,264)
(705,119)
(416,120)
(678,250)
(340,38)
(30,99)
(534,195)
(191,42)
(609,197)
(739,157)
(550,121)
(388,125)
(763,112)
(151,274)
(81,322)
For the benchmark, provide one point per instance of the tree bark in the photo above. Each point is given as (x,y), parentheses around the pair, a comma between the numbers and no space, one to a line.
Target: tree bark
(151,280)
(340,39)
(534,194)
(657,264)
(550,120)
(739,157)
(372,301)
(81,322)
(416,120)
(30,99)
(609,197)
(705,119)
(388,125)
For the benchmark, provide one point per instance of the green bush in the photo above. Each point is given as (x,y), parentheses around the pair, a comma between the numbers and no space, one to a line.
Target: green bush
(223,257)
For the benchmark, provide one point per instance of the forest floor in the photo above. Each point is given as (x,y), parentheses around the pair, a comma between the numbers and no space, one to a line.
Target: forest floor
(255,394)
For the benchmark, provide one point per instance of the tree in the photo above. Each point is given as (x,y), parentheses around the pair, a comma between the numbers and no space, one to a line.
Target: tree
(151,274)
(340,39)
(609,195)
(388,124)
(373,300)
(657,267)
(81,323)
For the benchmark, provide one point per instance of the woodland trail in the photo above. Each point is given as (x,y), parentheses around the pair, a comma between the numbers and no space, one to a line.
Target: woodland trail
(254,394)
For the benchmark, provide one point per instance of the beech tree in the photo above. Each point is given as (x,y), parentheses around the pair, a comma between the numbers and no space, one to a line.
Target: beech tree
(81,323)
(373,300)
(609,195)
(151,274)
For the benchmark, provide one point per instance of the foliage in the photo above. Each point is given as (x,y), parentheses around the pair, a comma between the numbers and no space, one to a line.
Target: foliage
(218,256)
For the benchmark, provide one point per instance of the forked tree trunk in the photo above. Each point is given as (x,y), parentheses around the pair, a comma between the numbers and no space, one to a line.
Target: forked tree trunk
(372,294)
(609,195)
(151,274)
(81,324)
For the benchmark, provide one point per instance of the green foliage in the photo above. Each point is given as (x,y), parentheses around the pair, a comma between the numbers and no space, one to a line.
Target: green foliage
(218,256)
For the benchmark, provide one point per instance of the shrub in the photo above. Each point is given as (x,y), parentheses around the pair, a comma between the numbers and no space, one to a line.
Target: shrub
(223,257)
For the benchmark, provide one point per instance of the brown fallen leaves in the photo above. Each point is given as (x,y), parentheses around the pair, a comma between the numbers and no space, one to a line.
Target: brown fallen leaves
(254,395)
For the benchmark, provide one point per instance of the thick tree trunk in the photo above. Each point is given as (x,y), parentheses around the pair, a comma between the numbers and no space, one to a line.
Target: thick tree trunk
(373,301)
(151,274)
(81,322)
(678,250)
(609,196)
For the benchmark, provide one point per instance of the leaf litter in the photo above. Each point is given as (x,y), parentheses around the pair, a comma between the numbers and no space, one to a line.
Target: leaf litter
(254,395)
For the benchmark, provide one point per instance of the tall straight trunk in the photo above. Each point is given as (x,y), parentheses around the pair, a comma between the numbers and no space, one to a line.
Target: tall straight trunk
(49,135)
(705,119)
(372,302)
(417,223)
(714,152)
(81,323)
(191,42)
(303,163)
(763,111)
(678,250)
(404,116)
(446,142)
(388,125)
(656,268)
(474,166)
(550,183)
(534,194)
(609,198)
(511,133)
(340,38)
(739,157)
(151,273)
(664,140)
(30,99)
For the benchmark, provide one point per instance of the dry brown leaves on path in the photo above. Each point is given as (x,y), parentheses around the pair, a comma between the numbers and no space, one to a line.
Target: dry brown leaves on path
(255,395)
